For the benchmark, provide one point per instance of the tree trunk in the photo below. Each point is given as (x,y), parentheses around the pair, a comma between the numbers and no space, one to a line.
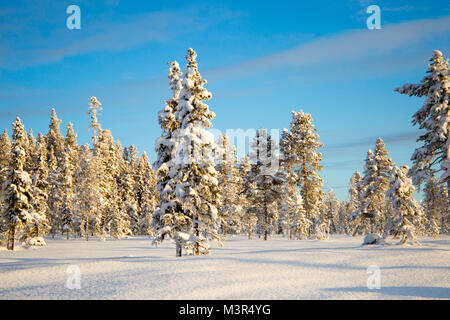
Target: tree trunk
(10,241)
(197,233)
(87,228)
(178,249)
(250,232)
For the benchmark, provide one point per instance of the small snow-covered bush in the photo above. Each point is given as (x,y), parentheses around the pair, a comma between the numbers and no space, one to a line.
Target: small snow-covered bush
(36,241)
(373,238)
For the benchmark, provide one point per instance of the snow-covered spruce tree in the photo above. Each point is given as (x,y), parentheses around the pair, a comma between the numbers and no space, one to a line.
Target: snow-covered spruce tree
(193,169)
(268,180)
(290,160)
(145,193)
(371,213)
(16,191)
(331,210)
(408,214)
(230,184)
(435,206)
(169,209)
(303,149)
(343,217)
(298,227)
(434,118)
(127,188)
(68,180)
(115,219)
(248,196)
(355,191)
(39,177)
(31,143)
(94,108)
(5,153)
(54,192)
(65,177)
(88,200)
(55,149)
(54,139)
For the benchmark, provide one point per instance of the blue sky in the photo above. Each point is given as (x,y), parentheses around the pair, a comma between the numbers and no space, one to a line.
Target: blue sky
(261,60)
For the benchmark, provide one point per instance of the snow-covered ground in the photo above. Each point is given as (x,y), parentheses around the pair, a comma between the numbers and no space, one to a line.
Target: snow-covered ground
(241,269)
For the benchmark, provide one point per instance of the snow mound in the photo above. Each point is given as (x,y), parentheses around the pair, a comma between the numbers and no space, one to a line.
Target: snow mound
(36,241)
(373,238)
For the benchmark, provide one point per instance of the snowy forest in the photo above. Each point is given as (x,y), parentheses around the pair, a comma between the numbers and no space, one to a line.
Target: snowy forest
(198,189)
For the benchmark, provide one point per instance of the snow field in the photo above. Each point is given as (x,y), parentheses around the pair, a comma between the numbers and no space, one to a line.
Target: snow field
(241,269)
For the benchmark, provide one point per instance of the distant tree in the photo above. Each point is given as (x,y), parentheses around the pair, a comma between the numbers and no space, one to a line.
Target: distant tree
(248,196)
(408,215)
(372,210)
(266,188)
(230,182)
(435,206)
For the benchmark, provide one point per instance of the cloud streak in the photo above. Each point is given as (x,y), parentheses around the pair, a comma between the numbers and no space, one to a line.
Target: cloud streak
(27,41)
(347,48)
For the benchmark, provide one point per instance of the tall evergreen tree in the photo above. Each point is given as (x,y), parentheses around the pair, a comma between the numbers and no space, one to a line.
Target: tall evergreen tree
(267,187)
(169,209)
(300,148)
(16,191)
(39,177)
(434,118)
(194,171)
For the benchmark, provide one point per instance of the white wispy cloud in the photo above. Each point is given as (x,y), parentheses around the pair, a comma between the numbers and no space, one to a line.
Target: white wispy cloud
(31,37)
(354,48)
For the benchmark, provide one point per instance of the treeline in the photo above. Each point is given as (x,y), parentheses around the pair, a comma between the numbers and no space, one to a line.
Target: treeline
(51,185)
(198,189)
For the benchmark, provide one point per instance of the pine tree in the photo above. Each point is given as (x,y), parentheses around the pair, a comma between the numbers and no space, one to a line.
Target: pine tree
(55,150)
(372,209)
(435,206)
(408,215)
(434,118)
(229,182)
(267,180)
(169,209)
(331,210)
(65,179)
(87,196)
(127,188)
(300,148)
(247,191)
(16,190)
(94,107)
(54,139)
(194,171)
(5,153)
(39,178)
(145,193)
